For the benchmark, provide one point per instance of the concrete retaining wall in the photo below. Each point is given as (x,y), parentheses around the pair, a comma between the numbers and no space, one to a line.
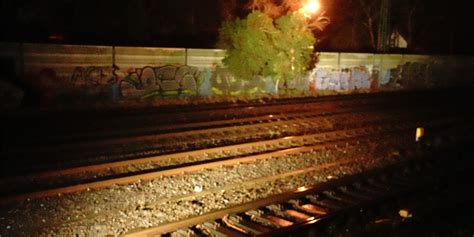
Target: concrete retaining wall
(115,73)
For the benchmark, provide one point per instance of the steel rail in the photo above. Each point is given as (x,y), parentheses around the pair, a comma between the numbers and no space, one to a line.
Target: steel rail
(308,190)
(232,125)
(157,174)
(306,139)
(293,194)
(186,169)
(115,149)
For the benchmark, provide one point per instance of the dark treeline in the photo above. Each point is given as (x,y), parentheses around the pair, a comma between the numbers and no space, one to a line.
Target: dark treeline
(428,26)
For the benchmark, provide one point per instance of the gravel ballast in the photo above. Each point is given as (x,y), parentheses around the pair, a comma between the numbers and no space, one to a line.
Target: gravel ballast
(121,208)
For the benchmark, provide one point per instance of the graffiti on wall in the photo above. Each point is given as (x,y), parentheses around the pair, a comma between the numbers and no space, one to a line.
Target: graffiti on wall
(407,75)
(111,83)
(223,83)
(340,79)
(164,81)
(102,83)
(62,81)
(92,76)
(176,80)
(413,75)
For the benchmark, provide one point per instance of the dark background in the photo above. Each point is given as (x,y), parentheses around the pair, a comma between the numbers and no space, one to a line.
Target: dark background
(439,27)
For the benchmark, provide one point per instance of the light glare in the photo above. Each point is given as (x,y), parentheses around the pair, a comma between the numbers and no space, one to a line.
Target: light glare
(420,132)
(311,7)
(197,189)
(302,189)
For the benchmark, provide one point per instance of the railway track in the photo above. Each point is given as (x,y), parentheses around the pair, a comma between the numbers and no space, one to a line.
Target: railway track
(181,162)
(93,152)
(164,140)
(325,170)
(306,210)
(224,164)
(125,124)
(105,179)
(171,133)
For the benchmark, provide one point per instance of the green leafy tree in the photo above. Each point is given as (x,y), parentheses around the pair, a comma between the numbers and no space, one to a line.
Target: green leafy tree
(260,46)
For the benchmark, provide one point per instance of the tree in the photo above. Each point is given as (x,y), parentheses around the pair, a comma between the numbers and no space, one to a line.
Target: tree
(279,8)
(273,8)
(409,17)
(345,33)
(228,9)
(260,46)
(371,10)
(413,21)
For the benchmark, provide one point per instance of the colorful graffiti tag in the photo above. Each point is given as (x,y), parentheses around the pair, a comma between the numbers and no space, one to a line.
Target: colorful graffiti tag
(184,81)
(340,79)
(90,74)
(164,81)
(99,83)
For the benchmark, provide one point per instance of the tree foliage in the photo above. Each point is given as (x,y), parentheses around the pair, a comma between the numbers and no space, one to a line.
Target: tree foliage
(259,45)
(274,8)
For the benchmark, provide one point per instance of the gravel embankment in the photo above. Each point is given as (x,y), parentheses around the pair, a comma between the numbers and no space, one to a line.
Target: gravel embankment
(121,208)
(76,178)
(106,151)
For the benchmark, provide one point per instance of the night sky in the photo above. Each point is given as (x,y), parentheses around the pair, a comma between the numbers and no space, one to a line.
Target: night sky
(437,26)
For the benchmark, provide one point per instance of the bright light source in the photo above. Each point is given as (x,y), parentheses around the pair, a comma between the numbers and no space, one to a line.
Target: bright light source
(310,7)
(197,189)
(405,213)
(420,132)
(302,189)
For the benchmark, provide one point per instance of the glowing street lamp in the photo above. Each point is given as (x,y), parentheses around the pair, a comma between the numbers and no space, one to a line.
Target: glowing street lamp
(310,7)
(314,21)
